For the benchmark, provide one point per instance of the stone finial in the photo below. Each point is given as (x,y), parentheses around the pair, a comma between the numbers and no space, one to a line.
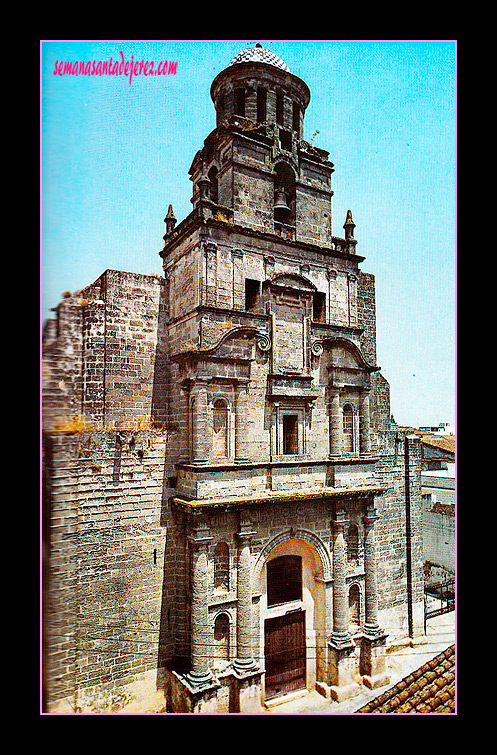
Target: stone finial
(349,226)
(170,220)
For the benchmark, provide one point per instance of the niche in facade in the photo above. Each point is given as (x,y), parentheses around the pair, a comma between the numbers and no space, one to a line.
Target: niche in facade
(220,428)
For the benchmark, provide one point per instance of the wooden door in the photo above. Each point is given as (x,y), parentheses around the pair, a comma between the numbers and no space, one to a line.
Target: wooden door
(284,652)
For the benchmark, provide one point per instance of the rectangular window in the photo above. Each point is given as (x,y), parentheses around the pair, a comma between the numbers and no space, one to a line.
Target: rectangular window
(318,307)
(252,295)
(290,434)
(285,140)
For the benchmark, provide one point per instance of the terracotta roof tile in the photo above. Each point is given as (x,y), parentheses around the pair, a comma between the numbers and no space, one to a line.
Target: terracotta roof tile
(429,689)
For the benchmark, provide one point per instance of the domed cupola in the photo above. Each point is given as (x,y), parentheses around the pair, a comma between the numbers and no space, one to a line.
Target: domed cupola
(258,85)
(259,54)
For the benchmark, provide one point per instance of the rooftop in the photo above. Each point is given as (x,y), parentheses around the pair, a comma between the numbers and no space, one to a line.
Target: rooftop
(428,689)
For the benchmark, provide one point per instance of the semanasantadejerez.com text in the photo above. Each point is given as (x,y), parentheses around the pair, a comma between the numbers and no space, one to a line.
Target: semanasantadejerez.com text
(115,68)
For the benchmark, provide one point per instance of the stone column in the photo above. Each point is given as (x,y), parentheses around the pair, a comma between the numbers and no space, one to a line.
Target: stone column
(364,423)
(241,431)
(342,664)
(335,425)
(201,425)
(373,649)
(244,661)
(371,598)
(200,639)
(340,597)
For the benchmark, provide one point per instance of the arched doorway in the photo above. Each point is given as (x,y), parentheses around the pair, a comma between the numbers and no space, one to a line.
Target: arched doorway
(292,618)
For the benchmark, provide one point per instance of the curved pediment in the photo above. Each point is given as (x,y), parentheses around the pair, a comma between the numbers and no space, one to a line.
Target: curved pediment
(346,354)
(291,280)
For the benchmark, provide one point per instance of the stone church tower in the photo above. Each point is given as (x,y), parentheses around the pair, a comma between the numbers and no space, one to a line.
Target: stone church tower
(275,491)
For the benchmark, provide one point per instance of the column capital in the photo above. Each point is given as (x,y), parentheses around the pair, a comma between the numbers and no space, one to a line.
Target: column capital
(245,535)
(370,518)
(200,534)
(199,540)
(370,515)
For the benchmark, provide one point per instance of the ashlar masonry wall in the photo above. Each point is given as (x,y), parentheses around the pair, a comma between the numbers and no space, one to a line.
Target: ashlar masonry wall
(108,593)
(391,532)
(104,356)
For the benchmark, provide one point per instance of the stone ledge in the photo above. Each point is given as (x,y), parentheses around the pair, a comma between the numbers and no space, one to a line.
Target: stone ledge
(282,497)
(279,461)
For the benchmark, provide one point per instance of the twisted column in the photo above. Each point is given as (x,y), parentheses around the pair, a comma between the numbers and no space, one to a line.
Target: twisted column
(241,434)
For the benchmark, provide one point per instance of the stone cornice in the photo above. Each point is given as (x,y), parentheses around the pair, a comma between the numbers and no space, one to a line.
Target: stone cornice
(284,496)
(194,221)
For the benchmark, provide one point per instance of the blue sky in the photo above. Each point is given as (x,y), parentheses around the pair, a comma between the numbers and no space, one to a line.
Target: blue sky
(115,154)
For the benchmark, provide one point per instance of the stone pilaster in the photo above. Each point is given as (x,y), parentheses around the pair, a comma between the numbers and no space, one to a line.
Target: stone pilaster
(364,423)
(238,279)
(184,402)
(335,424)
(241,430)
(201,424)
(352,297)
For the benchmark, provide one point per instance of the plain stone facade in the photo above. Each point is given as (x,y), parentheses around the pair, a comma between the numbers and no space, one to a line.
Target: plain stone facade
(203,428)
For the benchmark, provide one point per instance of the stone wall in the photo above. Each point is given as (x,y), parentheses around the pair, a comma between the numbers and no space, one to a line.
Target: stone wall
(391,535)
(109,596)
(104,359)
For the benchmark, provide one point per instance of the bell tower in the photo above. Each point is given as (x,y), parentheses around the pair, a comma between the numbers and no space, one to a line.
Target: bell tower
(270,349)
(255,167)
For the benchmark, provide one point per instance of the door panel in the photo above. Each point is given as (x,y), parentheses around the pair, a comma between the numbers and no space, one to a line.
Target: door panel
(285,654)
